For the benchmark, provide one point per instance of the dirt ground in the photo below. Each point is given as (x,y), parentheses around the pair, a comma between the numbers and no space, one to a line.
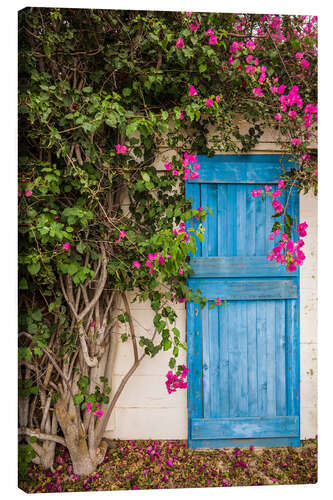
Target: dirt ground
(132,465)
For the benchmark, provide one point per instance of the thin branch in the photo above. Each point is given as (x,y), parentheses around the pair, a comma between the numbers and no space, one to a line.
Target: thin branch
(42,436)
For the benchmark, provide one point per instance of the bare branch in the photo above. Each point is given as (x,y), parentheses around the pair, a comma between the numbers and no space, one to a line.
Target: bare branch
(42,436)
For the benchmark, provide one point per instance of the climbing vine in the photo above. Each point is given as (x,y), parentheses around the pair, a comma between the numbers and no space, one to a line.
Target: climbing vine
(114,107)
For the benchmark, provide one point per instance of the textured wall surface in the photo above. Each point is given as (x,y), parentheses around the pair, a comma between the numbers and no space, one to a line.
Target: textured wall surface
(146,411)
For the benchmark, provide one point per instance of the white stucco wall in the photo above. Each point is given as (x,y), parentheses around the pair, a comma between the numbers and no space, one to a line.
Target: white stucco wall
(146,411)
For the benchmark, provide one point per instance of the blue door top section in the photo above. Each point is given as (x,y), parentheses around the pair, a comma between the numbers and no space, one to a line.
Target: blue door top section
(241,169)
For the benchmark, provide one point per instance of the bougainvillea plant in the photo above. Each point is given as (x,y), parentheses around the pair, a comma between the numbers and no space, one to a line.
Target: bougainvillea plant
(114,106)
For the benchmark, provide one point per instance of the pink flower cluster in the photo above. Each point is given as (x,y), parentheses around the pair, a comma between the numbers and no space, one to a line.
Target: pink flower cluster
(182,229)
(287,251)
(66,246)
(168,166)
(122,235)
(190,171)
(152,257)
(121,149)
(212,38)
(309,110)
(99,413)
(27,193)
(175,381)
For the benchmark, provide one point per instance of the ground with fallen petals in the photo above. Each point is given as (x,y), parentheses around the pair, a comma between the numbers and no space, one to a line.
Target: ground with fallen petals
(132,465)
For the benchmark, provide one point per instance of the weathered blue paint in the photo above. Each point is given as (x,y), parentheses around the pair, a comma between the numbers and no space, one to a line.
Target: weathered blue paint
(243,357)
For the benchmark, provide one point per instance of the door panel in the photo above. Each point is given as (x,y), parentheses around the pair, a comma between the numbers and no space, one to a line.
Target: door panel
(244,356)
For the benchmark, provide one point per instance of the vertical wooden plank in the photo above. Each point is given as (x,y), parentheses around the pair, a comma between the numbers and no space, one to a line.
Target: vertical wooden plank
(206,386)
(270,342)
(209,198)
(241,220)
(231,218)
(250,228)
(224,359)
(293,399)
(262,356)
(280,357)
(214,363)
(193,192)
(252,358)
(243,361)
(269,244)
(194,363)
(222,222)
(235,375)
(260,227)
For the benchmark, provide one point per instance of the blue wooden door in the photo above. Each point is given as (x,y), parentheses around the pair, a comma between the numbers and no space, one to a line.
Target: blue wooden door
(243,357)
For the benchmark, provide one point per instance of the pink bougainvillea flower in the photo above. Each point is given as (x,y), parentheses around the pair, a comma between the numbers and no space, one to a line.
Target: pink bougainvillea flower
(296,141)
(257,91)
(217,98)
(122,235)
(192,90)
(180,43)
(148,264)
(175,172)
(276,193)
(181,116)
(209,103)
(195,26)
(66,246)
(217,301)
(93,323)
(256,62)
(209,32)
(121,149)
(256,192)
(249,69)
(268,188)
(181,271)
(212,40)
(291,268)
(277,206)
(292,113)
(301,228)
(88,406)
(99,413)
(278,116)
(271,237)
(161,260)
(276,232)
(189,14)
(250,45)
(167,165)
(305,64)
(280,183)
(28,193)
(273,89)
(281,89)
(299,55)
(262,77)
(136,264)
(249,58)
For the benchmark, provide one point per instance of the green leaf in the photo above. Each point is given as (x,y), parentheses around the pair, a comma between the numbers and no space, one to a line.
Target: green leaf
(131,128)
(78,398)
(145,176)
(172,363)
(34,268)
(23,285)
